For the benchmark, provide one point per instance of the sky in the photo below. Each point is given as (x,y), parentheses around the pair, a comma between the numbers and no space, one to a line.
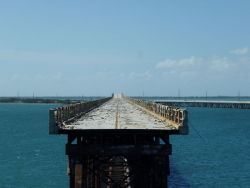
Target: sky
(151,48)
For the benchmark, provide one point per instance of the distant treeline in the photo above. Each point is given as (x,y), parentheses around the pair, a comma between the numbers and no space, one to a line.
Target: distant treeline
(72,100)
(191,97)
(36,100)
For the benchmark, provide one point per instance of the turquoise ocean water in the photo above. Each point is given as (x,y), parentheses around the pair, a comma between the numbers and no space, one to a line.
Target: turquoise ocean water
(216,153)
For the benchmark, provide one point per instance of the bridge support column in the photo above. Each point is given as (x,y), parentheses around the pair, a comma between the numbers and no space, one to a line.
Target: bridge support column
(123,161)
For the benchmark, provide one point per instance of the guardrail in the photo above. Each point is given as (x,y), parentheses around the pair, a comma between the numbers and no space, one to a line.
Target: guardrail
(59,116)
(177,117)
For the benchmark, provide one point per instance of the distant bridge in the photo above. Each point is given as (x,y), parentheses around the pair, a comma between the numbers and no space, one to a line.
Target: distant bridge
(118,142)
(206,104)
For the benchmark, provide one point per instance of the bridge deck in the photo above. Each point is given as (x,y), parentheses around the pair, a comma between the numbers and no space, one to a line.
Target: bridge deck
(118,113)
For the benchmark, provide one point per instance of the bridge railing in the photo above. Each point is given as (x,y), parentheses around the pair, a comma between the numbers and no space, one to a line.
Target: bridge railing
(177,117)
(70,113)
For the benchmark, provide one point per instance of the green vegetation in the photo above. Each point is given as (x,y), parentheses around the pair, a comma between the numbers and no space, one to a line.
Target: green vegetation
(36,100)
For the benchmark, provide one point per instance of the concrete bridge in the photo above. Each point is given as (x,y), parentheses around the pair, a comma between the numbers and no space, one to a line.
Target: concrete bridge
(118,141)
(206,104)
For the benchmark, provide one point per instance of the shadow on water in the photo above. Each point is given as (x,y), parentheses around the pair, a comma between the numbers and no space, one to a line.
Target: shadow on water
(176,180)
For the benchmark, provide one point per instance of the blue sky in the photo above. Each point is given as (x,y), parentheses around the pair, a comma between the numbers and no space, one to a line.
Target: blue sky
(99,47)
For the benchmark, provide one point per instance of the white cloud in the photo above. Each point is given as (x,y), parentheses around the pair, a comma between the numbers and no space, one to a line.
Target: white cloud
(14,77)
(37,57)
(40,77)
(166,63)
(36,77)
(186,62)
(58,76)
(240,51)
(62,58)
(195,68)
(194,65)
(220,64)
(140,76)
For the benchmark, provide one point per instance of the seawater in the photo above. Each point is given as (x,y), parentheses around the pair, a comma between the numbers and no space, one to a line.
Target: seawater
(29,156)
(216,153)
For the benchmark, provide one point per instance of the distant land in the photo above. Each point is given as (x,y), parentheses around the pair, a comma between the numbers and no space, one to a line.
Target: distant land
(35,100)
(76,99)
(47,100)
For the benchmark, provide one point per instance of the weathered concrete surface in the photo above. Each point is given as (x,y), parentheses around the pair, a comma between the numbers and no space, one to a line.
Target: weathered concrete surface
(118,113)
